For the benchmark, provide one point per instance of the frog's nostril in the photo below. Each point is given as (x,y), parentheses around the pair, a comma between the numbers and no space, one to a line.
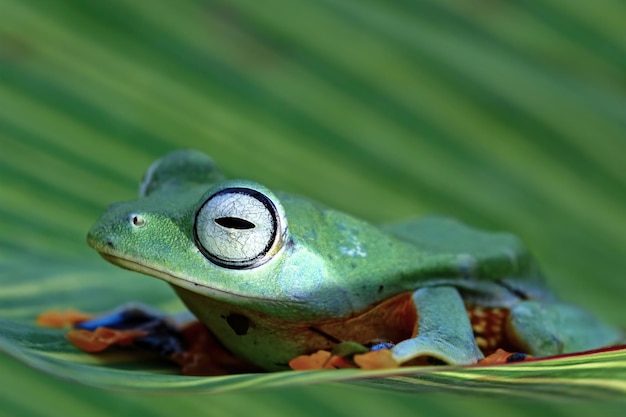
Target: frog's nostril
(110,244)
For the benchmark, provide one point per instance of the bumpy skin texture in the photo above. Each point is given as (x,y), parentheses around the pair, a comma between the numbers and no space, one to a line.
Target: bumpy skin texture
(324,267)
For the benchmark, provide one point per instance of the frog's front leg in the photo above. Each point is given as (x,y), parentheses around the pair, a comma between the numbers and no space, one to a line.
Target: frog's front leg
(557,328)
(444,331)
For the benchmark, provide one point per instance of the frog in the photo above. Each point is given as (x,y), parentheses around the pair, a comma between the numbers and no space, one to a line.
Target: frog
(274,276)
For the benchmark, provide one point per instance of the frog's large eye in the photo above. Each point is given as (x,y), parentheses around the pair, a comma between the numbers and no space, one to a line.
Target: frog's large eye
(239,228)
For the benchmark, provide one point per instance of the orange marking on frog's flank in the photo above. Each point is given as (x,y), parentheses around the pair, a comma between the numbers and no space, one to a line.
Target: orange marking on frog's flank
(392,320)
(488,324)
(59,319)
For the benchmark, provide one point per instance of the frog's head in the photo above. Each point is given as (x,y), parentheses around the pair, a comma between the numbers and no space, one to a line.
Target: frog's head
(229,240)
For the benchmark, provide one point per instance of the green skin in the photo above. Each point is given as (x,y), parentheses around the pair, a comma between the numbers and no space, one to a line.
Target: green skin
(261,294)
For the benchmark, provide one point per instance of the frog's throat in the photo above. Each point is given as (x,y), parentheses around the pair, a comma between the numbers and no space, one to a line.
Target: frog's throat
(177,281)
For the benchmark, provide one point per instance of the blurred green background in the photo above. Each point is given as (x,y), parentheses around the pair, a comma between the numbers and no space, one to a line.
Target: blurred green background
(507,115)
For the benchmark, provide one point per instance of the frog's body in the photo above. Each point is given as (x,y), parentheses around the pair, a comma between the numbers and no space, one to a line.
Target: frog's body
(274,276)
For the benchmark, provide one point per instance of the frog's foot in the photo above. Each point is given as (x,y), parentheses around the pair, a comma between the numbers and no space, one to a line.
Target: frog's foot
(444,332)
(60,319)
(501,356)
(97,338)
(442,335)
(557,328)
(347,355)
(132,324)
(179,338)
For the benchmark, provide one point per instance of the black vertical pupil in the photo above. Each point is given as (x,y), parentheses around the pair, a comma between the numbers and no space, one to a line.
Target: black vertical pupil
(234,223)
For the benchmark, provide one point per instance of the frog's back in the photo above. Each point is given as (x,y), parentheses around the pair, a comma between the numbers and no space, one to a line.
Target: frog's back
(496,251)
(484,257)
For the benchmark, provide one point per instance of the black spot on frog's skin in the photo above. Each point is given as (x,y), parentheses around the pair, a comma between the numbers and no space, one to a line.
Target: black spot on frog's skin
(239,323)
(380,288)
(516,357)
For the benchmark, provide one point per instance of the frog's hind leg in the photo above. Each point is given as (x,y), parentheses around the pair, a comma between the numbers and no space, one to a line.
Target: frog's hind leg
(444,331)
(145,326)
(557,328)
(179,338)
(136,314)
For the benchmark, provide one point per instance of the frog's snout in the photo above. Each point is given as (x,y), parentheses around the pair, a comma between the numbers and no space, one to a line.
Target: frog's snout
(107,233)
(100,238)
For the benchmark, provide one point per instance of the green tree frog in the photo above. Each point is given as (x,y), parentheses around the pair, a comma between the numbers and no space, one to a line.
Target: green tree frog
(274,276)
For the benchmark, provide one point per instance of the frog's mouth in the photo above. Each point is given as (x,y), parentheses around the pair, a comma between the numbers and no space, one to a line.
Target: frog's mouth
(176,280)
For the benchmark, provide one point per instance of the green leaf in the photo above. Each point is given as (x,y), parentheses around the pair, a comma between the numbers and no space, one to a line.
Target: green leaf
(34,290)
(507,116)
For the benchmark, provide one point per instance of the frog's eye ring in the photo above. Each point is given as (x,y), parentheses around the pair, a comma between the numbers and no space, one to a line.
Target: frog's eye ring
(239,228)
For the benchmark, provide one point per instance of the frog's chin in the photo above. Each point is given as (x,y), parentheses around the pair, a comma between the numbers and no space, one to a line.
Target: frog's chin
(175,280)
